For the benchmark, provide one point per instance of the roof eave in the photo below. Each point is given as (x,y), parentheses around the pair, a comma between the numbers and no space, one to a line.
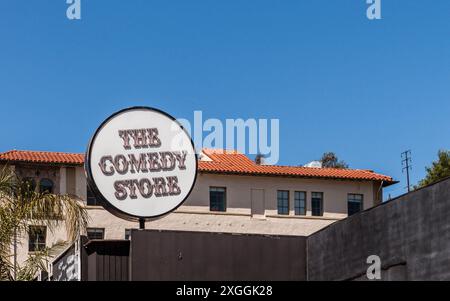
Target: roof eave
(385,183)
(390,183)
(13,162)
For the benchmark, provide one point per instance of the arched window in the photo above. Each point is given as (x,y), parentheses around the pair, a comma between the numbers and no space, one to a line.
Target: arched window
(46,186)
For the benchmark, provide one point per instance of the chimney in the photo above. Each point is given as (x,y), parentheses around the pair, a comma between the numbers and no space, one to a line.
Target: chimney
(259,159)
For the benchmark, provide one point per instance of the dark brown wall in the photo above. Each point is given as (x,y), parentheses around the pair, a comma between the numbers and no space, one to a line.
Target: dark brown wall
(107,260)
(176,255)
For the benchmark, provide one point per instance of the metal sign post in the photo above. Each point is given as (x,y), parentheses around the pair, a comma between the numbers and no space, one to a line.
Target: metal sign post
(141,224)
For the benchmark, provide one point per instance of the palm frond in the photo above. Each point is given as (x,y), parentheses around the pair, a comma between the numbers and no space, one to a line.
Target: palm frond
(7,180)
(39,261)
(5,270)
(21,207)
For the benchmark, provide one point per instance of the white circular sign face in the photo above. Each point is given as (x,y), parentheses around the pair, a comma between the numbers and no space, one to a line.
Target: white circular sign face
(141,163)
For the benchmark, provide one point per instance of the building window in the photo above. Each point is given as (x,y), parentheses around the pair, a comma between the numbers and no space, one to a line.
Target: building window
(300,203)
(218,199)
(95,233)
(46,186)
(90,197)
(317,203)
(36,238)
(127,234)
(355,203)
(283,201)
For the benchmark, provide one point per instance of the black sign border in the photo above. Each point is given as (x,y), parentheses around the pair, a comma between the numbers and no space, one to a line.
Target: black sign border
(93,186)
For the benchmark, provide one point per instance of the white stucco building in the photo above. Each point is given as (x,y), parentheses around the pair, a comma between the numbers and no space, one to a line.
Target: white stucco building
(232,194)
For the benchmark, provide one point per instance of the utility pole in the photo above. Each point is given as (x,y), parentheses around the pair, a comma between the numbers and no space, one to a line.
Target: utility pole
(406,164)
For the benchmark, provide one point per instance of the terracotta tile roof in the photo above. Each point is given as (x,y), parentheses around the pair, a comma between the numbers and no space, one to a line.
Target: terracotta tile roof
(42,157)
(233,162)
(222,162)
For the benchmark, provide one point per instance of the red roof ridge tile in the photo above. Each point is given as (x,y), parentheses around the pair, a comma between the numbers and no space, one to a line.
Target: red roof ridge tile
(39,151)
(42,157)
(221,151)
(320,168)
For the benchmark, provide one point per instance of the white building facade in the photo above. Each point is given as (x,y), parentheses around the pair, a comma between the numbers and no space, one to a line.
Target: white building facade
(232,195)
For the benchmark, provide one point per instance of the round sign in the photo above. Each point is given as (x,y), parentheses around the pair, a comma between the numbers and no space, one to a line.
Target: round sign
(141,163)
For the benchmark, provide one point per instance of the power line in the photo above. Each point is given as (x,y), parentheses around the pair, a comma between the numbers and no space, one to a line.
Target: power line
(406,164)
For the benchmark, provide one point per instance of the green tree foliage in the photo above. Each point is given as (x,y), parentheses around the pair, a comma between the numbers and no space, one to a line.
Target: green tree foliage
(330,160)
(21,207)
(440,169)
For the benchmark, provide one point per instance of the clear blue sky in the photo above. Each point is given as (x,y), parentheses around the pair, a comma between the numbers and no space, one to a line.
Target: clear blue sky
(365,89)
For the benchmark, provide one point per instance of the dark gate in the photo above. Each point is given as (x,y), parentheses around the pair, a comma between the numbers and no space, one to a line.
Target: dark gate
(192,256)
(107,260)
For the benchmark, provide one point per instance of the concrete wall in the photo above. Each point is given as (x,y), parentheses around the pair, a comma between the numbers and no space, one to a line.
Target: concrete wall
(411,235)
